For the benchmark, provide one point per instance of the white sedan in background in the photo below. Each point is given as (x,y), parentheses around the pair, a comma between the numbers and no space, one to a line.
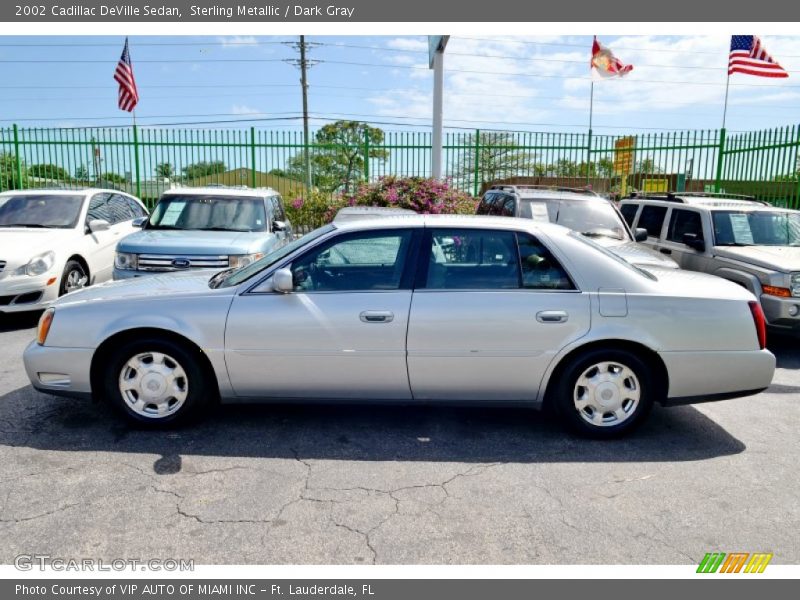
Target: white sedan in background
(412,309)
(53,242)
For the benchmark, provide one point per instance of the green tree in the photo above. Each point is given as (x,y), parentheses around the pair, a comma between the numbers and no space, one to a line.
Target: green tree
(339,162)
(165,170)
(498,157)
(566,168)
(49,171)
(605,167)
(647,166)
(9,179)
(82,173)
(113,178)
(204,168)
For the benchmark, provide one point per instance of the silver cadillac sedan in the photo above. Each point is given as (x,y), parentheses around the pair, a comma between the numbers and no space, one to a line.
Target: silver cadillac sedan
(412,309)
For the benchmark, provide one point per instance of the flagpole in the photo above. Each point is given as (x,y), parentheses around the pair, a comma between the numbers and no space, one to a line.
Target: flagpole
(725,110)
(589,141)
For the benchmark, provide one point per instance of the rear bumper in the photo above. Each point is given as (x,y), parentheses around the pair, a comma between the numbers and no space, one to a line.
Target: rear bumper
(714,375)
(59,371)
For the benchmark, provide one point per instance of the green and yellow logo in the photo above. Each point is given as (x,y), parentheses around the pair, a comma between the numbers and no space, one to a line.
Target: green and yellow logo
(734,562)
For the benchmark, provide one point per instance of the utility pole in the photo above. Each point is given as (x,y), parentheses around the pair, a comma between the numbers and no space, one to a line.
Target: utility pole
(436,46)
(304,64)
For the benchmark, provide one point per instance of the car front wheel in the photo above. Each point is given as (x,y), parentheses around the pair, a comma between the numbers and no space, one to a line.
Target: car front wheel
(156,382)
(604,393)
(74,278)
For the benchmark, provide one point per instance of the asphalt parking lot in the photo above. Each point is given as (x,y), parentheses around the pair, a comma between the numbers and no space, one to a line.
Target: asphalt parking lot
(396,485)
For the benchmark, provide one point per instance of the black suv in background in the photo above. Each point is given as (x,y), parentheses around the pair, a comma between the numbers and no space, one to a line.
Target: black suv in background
(578,209)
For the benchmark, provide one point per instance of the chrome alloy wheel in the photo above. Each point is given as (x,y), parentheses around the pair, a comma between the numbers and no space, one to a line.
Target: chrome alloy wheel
(75,280)
(606,394)
(153,385)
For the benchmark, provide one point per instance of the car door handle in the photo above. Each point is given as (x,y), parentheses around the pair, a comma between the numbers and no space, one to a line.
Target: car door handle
(665,251)
(552,316)
(377,316)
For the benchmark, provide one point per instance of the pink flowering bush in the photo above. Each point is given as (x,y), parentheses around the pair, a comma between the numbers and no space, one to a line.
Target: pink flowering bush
(428,196)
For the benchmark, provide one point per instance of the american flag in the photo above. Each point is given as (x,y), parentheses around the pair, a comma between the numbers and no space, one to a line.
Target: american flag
(749,56)
(128,94)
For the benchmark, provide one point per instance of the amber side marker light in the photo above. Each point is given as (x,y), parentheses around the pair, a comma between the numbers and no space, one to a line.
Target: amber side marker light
(771,290)
(44,325)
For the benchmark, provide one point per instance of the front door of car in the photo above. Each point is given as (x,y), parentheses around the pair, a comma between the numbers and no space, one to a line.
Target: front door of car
(490,311)
(682,221)
(340,334)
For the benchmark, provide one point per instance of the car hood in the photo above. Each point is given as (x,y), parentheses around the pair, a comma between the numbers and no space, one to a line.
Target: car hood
(19,244)
(779,258)
(194,283)
(636,253)
(170,241)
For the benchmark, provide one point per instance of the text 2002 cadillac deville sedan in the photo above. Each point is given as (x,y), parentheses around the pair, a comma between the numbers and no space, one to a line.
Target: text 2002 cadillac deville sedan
(412,309)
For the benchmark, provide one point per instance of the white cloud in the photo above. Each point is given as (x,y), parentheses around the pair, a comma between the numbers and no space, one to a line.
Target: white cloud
(242,109)
(238,41)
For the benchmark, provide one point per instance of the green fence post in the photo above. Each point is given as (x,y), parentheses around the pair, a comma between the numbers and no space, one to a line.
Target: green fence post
(720,152)
(366,154)
(17,158)
(253,156)
(477,162)
(589,158)
(136,161)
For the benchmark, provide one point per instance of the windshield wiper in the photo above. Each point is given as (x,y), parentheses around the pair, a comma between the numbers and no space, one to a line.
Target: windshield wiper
(598,233)
(35,225)
(222,229)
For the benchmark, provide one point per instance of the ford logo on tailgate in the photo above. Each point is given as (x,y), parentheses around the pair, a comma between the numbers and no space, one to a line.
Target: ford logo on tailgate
(181,263)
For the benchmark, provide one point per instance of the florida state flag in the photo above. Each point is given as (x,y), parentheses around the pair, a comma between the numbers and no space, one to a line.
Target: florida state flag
(605,64)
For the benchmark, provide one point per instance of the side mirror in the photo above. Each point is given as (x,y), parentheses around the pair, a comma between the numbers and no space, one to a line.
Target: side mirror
(640,234)
(283,281)
(140,222)
(278,226)
(96,225)
(690,239)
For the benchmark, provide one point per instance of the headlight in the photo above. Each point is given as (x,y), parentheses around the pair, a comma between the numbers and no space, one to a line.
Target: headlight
(237,261)
(795,287)
(126,262)
(38,265)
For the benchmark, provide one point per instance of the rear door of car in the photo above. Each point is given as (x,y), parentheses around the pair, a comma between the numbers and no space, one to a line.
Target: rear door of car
(683,220)
(652,217)
(490,310)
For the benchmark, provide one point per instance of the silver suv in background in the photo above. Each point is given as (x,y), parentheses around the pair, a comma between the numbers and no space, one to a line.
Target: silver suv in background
(746,241)
(578,209)
(205,228)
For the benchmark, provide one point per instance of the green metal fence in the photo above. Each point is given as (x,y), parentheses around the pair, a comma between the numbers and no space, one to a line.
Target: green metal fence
(145,161)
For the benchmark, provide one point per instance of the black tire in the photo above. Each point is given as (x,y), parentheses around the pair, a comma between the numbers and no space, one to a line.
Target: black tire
(199,384)
(565,390)
(72,267)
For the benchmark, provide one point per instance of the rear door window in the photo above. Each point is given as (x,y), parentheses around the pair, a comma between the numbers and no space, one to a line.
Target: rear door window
(684,221)
(472,259)
(652,219)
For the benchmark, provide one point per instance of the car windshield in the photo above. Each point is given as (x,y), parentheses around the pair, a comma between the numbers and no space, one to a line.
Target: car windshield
(54,211)
(757,228)
(209,213)
(233,277)
(593,218)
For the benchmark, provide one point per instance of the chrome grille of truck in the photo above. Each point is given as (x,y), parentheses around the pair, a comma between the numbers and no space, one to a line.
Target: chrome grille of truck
(167,262)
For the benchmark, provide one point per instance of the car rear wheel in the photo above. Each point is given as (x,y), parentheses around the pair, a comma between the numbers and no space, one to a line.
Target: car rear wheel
(604,393)
(156,382)
(74,278)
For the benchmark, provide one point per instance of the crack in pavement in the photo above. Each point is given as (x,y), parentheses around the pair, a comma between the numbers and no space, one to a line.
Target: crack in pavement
(41,515)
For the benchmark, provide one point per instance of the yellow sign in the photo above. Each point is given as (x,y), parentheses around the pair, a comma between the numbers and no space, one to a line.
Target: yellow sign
(624,149)
(659,184)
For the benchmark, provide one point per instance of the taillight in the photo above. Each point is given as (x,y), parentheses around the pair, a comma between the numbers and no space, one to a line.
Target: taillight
(760,323)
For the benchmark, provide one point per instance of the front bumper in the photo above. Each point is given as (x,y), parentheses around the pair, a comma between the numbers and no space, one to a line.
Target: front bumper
(59,371)
(23,293)
(716,375)
(776,310)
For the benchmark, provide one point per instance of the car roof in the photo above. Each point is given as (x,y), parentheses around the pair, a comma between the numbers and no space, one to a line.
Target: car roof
(83,191)
(221,190)
(707,202)
(543,192)
(451,221)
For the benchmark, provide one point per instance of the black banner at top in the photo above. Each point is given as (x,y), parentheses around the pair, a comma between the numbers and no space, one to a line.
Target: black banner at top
(443,11)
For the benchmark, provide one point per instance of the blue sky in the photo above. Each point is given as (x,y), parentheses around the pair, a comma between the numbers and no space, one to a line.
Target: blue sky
(531,83)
